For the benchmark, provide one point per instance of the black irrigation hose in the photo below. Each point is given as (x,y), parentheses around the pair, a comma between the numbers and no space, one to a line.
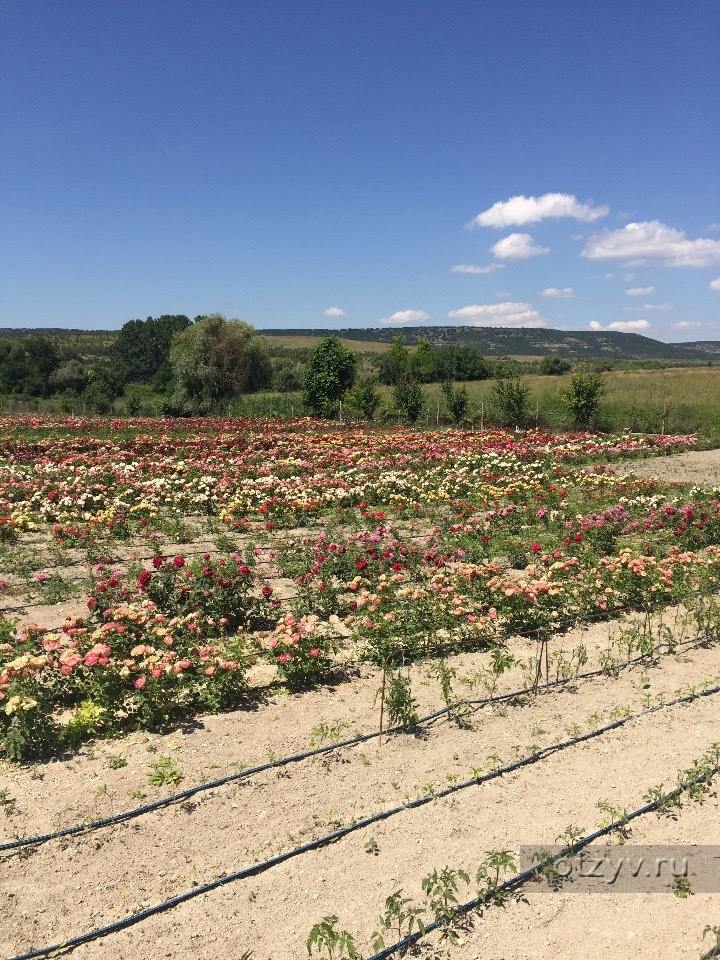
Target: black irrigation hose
(258,868)
(295,758)
(532,873)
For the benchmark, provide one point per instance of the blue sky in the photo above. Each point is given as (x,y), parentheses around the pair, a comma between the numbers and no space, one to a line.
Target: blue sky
(340,163)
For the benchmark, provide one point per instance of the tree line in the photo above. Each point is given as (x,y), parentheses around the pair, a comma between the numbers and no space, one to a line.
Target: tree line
(181,367)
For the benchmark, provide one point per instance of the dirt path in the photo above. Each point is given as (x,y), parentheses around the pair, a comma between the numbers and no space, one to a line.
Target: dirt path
(696,466)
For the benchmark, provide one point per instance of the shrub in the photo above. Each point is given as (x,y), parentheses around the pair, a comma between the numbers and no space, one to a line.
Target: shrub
(511,397)
(583,397)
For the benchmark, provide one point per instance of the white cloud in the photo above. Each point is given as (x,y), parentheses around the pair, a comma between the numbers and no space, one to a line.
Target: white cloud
(506,314)
(564,293)
(648,306)
(652,241)
(640,291)
(334,312)
(471,268)
(686,324)
(517,246)
(715,284)
(518,211)
(406,316)
(624,326)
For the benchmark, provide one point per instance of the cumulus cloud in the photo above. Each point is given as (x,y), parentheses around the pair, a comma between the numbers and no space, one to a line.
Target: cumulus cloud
(651,240)
(564,293)
(624,326)
(686,324)
(640,291)
(405,317)
(471,268)
(518,211)
(334,312)
(715,284)
(506,314)
(517,246)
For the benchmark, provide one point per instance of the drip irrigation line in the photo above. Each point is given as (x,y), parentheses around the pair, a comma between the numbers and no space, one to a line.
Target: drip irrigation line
(532,873)
(259,868)
(329,748)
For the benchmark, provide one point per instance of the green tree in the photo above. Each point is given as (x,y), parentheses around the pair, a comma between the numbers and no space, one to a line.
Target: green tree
(422,362)
(409,400)
(99,392)
(26,365)
(554,366)
(584,396)
(364,397)
(394,364)
(457,400)
(329,373)
(215,359)
(511,398)
(141,351)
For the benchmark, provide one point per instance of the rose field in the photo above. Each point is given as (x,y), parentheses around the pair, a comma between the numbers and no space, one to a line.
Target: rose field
(279,689)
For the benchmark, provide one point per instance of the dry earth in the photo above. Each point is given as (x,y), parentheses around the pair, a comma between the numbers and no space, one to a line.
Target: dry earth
(67,887)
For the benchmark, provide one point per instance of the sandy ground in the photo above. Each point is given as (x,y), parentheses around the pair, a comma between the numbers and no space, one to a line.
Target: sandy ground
(701,467)
(66,887)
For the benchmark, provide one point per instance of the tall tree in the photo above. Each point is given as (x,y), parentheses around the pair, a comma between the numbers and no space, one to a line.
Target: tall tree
(329,373)
(141,351)
(215,359)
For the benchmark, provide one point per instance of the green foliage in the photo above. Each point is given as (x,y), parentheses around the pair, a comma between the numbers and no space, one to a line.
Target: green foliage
(26,366)
(364,397)
(214,360)
(164,771)
(400,919)
(394,365)
(329,373)
(27,731)
(584,396)
(141,351)
(327,942)
(487,875)
(409,400)
(115,762)
(554,366)
(401,707)
(428,364)
(511,399)
(457,401)
(100,391)
(441,890)
(287,375)
(87,722)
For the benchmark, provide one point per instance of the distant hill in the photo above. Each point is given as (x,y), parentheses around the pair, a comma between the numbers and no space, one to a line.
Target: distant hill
(490,341)
(502,342)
